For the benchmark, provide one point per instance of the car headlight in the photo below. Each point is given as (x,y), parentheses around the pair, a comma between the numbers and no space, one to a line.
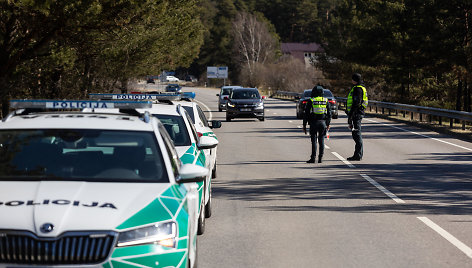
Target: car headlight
(230,104)
(163,234)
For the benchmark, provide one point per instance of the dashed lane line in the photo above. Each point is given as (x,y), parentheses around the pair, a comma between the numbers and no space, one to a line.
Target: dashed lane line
(383,189)
(449,237)
(343,160)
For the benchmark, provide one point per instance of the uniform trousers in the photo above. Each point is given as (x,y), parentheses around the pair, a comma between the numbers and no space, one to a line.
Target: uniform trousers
(317,133)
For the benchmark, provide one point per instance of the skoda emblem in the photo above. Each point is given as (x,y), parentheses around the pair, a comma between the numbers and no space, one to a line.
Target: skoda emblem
(47,228)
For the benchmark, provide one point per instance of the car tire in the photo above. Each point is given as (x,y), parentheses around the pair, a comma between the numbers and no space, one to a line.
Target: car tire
(228,119)
(219,109)
(201,220)
(208,206)
(335,116)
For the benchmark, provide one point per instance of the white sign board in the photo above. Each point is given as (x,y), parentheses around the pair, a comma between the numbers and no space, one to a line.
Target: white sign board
(217,72)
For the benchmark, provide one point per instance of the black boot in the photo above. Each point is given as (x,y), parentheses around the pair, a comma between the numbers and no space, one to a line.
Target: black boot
(311,160)
(319,160)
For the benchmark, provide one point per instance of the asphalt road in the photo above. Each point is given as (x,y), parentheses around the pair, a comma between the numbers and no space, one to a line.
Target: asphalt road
(408,203)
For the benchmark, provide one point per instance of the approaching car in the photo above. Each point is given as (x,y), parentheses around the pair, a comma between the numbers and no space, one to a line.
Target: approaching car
(171,78)
(92,189)
(223,95)
(245,102)
(306,95)
(204,128)
(174,88)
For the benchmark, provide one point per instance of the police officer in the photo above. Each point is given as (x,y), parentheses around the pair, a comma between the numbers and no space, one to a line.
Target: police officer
(356,104)
(318,114)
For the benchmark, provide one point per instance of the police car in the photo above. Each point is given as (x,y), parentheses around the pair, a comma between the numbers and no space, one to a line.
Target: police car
(204,128)
(191,147)
(94,189)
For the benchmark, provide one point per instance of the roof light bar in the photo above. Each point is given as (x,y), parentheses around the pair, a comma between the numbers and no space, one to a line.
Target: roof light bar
(144,96)
(78,104)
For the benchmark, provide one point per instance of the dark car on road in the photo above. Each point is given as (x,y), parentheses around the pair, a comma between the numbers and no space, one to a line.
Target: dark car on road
(173,88)
(306,96)
(223,96)
(245,102)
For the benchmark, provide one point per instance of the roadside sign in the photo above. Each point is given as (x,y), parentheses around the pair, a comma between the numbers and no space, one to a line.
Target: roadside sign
(217,72)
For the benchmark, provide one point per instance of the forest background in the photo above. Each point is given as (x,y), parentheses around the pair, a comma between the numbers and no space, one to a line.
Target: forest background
(411,51)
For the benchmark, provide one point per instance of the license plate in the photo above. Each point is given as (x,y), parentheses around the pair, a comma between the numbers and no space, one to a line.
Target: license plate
(245,109)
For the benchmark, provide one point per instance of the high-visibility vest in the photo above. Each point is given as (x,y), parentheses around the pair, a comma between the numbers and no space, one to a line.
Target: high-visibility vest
(319,105)
(364,102)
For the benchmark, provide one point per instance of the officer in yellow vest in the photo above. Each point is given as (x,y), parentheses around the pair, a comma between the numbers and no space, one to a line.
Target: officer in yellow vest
(318,115)
(356,103)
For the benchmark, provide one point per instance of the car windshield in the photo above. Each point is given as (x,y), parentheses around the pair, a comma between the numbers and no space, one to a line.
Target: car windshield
(245,94)
(226,91)
(307,93)
(81,155)
(176,128)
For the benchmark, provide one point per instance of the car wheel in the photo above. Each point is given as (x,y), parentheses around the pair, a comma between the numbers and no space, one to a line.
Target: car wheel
(219,109)
(335,116)
(208,206)
(201,220)
(228,119)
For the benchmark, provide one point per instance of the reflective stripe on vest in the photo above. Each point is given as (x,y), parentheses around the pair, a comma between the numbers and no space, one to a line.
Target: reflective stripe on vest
(364,102)
(319,105)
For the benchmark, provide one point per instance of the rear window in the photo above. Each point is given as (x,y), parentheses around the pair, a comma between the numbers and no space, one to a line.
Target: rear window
(83,155)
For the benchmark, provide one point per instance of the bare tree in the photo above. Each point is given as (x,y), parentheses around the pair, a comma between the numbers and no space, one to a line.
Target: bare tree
(253,43)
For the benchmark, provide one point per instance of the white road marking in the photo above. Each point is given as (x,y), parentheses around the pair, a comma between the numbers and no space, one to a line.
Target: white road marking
(426,136)
(456,242)
(299,126)
(290,121)
(383,189)
(207,108)
(344,160)
(274,113)
(326,146)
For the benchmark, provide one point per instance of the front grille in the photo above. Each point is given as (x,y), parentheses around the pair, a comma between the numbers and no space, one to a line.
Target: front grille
(69,248)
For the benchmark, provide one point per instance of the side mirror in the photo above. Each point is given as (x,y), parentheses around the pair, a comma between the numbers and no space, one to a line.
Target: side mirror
(215,124)
(192,173)
(206,142)
(217,94)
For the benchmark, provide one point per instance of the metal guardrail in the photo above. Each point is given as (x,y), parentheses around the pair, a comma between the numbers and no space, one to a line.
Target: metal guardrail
(389,108)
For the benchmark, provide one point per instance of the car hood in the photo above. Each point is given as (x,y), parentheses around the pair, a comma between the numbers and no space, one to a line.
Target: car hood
(73,206)
(245,101)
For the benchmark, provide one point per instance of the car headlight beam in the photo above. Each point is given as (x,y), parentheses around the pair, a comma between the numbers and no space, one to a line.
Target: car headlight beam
(163,234)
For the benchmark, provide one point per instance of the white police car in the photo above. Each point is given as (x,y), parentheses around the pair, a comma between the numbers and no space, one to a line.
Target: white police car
(94,189)
(192,148)
(204,128)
